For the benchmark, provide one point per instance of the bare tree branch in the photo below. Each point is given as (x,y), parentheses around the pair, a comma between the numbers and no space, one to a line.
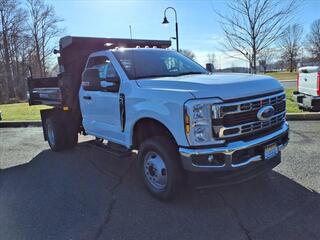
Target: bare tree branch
(211,58)
(44,28)
(313,39)
(188,53)
(11,27)
(254,25)
(290,44)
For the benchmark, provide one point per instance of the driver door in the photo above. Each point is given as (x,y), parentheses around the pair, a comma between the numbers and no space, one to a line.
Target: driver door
(101,109)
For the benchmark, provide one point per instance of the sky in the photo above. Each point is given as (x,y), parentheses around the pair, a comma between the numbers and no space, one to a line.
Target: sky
(199,28)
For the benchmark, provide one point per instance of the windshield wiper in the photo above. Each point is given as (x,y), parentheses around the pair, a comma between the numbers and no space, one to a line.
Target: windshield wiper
(189,73)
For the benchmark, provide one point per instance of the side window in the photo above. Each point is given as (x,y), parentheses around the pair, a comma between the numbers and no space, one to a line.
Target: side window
(104,65)
(96,61)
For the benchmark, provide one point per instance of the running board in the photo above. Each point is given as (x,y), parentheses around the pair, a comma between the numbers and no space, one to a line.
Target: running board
(114,149)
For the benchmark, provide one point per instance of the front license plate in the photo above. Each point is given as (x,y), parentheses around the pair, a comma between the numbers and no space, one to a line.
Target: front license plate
(271,151)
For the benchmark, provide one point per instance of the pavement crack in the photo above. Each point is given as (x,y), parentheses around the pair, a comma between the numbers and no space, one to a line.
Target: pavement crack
(236,214)
(111,205)
(106,219)
(106,173)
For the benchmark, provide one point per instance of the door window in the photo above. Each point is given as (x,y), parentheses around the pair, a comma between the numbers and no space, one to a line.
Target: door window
(104,65)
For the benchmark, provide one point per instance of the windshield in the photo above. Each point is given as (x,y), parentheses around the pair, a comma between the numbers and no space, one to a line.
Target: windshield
(151,63)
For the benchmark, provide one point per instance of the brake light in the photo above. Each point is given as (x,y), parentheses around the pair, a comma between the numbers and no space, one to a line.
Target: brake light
(298,81)
(318,84)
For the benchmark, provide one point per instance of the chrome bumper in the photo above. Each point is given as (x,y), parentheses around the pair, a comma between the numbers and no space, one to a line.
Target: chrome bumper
(227,152)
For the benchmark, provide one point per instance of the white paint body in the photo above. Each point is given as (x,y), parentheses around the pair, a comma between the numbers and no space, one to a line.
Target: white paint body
(308,80)
(161,99)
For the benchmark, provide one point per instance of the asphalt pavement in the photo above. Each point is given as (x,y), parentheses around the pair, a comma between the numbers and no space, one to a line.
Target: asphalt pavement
(86,193)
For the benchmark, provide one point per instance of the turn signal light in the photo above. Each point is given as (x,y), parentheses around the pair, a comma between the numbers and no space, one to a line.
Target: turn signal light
(187,123)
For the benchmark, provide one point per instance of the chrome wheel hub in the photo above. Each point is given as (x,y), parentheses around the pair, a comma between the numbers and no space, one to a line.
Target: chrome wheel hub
(155,170)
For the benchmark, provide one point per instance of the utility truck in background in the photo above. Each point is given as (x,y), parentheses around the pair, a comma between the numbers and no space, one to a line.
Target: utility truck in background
(308,88)
(136,94)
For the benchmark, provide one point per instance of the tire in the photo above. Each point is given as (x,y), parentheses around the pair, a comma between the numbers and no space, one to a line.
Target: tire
(160,167)
(72,136)
(56,135)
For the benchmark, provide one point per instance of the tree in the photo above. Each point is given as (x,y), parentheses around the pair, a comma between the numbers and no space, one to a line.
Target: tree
(188,53)
(12,26)
(44,27)
(314,40)
(211,58)
(265,57)
(253,26)
(24,40)
(290,43)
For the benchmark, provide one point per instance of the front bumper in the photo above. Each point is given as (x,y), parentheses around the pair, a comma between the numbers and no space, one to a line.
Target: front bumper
(233,156)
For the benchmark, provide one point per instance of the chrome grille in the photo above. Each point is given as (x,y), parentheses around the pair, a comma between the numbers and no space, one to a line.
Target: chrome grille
(239,118)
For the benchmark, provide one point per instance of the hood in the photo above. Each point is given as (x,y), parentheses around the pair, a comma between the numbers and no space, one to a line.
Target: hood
(224,86)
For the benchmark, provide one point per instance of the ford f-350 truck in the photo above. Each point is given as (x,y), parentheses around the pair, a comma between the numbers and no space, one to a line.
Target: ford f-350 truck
(138,95)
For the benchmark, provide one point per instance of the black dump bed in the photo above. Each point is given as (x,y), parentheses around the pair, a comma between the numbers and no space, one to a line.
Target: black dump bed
(62,91)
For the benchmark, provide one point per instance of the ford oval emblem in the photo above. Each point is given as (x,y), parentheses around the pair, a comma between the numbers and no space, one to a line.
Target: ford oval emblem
(265,113)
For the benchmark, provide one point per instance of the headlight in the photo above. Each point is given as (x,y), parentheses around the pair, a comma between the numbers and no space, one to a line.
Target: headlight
(198,116)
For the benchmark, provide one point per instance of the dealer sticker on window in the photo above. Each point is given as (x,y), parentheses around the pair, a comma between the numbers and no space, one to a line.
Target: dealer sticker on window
(271,151)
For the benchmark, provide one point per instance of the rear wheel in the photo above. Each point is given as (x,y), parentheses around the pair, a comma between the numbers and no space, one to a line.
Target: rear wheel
(160,168)
(61,135)
(55,134)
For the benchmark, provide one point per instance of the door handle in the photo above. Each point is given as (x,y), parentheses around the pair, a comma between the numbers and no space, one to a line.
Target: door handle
(87,97)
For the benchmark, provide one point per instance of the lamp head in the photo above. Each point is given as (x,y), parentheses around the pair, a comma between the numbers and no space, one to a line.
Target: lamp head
(165,21)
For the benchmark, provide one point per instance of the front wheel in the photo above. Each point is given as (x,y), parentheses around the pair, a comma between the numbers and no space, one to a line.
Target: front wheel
(160,167)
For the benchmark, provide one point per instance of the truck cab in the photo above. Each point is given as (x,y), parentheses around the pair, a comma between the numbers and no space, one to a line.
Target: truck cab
(179,117)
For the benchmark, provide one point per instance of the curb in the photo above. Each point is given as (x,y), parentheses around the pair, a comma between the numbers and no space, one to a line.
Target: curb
(9,124)
(303,116)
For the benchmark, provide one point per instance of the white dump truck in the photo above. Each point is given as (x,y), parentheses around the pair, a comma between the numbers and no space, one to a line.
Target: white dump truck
(179,117)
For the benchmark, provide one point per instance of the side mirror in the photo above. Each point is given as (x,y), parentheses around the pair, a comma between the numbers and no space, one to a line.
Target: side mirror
(91,80)
(109,86)
(113,79)
(209,67)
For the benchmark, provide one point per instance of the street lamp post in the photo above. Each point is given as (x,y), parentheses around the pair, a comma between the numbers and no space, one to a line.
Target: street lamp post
(165,21)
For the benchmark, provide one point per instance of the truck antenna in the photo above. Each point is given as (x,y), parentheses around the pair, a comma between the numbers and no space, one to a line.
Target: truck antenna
(130,31)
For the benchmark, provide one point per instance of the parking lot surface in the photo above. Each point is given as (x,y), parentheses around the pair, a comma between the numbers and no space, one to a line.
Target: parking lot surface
(86,193)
